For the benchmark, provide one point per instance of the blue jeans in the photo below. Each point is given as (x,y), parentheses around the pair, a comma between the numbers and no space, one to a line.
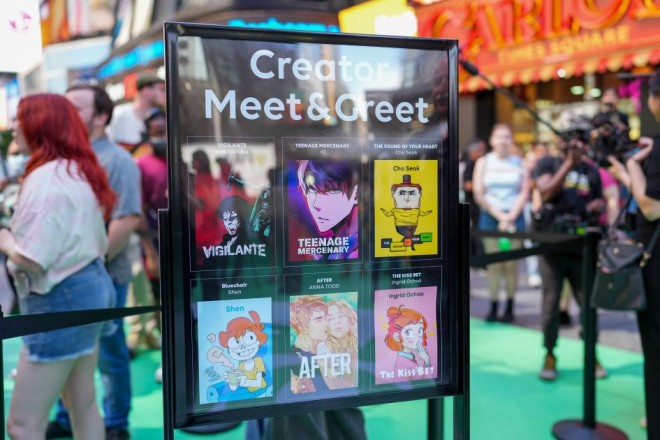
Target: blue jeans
(114,365)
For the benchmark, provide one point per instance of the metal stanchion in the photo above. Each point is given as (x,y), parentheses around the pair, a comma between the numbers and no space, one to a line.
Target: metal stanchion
(587,428)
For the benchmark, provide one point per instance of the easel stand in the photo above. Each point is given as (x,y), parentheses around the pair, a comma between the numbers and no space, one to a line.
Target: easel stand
(435,409)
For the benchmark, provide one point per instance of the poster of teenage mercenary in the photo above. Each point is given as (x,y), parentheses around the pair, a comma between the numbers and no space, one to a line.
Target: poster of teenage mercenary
(323,184)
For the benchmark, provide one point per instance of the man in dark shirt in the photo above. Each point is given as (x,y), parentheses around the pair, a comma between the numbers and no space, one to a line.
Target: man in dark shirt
(570,189)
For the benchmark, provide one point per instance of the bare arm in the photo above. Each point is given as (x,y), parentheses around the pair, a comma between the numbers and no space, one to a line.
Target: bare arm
(549,185)
(119,231)
(649,207)
(151,255)
(518,205)
(612,196)
(8,247)
(479,192)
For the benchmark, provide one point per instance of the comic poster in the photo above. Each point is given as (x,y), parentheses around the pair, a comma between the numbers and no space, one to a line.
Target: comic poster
(231,202)
(323,334)
(235,354)
(405,207)
(406,333)
(323,200)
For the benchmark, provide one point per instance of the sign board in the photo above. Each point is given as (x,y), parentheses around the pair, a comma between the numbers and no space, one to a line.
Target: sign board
(312,231)
(20,36)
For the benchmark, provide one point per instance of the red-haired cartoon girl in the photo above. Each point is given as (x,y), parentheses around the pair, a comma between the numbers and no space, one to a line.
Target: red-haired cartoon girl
(406,335)
(243,339)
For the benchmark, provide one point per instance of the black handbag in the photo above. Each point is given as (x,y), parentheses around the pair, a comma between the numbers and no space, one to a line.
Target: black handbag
(619,284)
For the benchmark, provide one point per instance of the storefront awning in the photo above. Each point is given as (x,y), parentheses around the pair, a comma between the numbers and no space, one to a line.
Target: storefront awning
(562,69)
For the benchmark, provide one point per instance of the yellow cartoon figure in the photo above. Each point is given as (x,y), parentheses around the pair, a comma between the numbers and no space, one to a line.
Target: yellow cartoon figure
(407,198)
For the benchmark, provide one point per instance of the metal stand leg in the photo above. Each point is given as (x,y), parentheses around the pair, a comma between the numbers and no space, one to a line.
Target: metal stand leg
(436,419)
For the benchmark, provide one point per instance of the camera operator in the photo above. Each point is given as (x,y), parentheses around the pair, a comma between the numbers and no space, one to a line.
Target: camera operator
(610,113)
(570,189)
(641,174)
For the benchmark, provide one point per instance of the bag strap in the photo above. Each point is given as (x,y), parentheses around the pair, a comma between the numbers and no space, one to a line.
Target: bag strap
(622,211)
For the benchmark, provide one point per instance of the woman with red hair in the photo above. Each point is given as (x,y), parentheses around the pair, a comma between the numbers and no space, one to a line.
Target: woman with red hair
(55,249)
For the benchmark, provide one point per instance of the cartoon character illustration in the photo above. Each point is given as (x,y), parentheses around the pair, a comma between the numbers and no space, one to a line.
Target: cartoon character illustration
(406,335)
(308,318)
(233,211)
(243,338)
(342,322)
(330,189)
(407,198)
(240,238)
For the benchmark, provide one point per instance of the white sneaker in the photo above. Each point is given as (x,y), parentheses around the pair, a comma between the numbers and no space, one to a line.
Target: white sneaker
(158,377)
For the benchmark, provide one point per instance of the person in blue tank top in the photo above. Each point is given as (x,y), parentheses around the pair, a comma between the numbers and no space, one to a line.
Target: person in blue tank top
(501,189)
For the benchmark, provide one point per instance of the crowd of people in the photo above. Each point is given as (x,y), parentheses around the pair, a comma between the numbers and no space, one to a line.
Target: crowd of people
(98,185)
(569,186)
(85,188)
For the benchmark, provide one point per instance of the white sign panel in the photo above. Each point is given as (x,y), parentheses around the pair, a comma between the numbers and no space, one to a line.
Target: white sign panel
(20,35)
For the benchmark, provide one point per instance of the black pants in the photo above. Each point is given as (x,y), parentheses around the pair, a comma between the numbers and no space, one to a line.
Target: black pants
(649,331)
(343,424)
(554,268)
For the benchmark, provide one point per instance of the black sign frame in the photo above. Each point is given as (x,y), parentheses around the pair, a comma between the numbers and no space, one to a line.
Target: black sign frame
(177,322)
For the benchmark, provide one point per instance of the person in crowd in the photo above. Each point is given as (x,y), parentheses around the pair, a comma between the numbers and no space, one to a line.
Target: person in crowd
(56,246)
(501,189)
(609,112)
(153,172)
(127,127)
(14,168)
(641,175)
(207,197)
(95,109)
(571,193)
(475,149)
(144,328)
(539,149)
(129,130)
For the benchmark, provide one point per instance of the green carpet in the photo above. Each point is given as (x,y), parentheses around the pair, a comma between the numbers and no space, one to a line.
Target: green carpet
(507,400)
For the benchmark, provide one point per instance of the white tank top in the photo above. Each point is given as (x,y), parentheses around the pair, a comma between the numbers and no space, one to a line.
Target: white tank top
(502,180)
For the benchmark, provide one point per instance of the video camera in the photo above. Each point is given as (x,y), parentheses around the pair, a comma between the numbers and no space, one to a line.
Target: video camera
(606,134)
(612,137)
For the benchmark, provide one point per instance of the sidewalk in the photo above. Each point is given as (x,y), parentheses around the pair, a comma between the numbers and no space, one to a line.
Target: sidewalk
(617,329)
(508,401)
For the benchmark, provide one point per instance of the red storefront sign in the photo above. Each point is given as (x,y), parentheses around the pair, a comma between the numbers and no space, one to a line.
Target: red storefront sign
(520,41)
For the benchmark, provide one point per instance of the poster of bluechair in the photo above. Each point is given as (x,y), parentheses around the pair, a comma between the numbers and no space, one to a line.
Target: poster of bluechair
(312,230)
